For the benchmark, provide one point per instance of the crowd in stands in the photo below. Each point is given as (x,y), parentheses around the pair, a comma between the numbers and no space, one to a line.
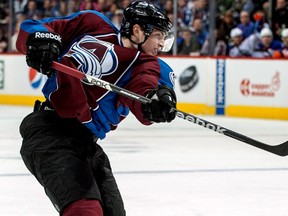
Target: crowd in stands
(243,28)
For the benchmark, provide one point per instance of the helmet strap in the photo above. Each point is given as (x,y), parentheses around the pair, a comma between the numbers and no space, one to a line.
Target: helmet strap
(139,44)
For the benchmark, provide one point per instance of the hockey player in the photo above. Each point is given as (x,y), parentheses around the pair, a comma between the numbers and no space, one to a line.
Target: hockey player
(59,138)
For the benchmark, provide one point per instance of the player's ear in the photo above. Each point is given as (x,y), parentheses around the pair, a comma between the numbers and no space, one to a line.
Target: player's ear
(137,30)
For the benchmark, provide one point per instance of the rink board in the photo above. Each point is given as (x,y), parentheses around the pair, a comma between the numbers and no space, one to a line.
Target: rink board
(256,88)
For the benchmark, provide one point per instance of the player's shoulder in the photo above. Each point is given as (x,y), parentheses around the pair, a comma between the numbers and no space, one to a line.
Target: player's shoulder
(89,13)
(124,52)
(156,60)
(164,64)
(97,16)
(146,57)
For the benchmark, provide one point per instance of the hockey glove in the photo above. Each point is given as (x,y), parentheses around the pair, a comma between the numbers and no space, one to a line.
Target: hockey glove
(95,129)
(42,49)
(163,99)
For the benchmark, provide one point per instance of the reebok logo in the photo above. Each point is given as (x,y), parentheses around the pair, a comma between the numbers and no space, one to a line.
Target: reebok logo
(201,122)
(101,83)
(47,35)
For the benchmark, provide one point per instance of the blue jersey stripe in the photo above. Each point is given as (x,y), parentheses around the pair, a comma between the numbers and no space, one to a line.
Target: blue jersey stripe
(166,74)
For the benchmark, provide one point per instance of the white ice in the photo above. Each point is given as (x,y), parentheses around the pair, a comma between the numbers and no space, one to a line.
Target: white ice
(176,169)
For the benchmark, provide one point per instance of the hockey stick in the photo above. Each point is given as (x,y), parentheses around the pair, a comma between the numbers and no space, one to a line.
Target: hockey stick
(281,149)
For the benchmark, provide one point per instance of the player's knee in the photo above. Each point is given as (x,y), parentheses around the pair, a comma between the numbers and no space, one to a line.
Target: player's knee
(84,208)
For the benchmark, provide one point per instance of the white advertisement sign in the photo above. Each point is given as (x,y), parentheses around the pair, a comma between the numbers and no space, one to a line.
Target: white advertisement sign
(19,79)
(195,79)
(257,82)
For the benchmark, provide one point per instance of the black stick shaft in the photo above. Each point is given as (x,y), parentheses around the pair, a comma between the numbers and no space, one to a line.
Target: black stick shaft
(281,149)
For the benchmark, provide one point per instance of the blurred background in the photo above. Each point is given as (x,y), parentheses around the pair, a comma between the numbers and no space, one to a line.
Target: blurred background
(202,27)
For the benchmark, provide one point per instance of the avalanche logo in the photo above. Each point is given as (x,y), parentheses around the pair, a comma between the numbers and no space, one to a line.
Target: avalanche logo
(94,57)
(35,78)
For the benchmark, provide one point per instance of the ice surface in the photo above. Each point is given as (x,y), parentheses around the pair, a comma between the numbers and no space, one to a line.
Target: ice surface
(176,169)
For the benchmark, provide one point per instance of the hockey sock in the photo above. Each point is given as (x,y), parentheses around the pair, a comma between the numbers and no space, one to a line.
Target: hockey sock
(84,208)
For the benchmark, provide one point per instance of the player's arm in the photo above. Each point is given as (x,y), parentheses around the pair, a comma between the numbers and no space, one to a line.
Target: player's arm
(44,40)
(69,28)
(152,79)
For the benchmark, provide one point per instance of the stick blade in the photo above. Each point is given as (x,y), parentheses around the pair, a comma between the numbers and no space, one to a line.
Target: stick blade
(282,149)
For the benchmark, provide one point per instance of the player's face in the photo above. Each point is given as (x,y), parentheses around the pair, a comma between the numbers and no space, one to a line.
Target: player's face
(154,43)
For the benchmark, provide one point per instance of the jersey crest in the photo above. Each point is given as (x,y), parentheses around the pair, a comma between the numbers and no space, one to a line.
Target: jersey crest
(94,57)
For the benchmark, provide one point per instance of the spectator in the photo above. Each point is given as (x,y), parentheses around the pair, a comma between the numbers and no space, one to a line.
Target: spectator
(110,8)
(124,3)
(3,43)
(4,20)
(283,53)
(19,6)
(157,3)
(248,6)
(171,17)
(89,5)
(4,16)
(240,5)
(32,11)
(62,7)
(168,6)
(258,5)
(16,32)
(200,11)
(220,46)
(73,6)
(260,45)
(260,21)
(245,24)
(117,18)
(199,30)
(266,10)
(224,25)
(185,15)
(49,9)
(281,17)
(188,43)
(192,13)
(222,6)
(236,36)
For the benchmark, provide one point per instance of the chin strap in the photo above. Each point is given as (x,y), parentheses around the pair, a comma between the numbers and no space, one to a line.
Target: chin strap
(139,44)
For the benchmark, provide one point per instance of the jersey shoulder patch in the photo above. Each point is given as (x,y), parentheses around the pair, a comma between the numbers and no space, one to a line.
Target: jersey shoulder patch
(167,75)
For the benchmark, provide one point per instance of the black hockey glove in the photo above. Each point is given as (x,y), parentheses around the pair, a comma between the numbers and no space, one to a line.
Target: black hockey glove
(163,99)
(42,49)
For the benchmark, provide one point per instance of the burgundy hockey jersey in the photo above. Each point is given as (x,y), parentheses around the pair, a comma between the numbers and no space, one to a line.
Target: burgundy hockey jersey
(91,45)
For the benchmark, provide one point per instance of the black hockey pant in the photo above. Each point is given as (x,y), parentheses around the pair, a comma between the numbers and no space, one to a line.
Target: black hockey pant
(66,161)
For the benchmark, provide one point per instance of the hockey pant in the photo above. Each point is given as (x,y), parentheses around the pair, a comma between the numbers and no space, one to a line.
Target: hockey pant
(63,157)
